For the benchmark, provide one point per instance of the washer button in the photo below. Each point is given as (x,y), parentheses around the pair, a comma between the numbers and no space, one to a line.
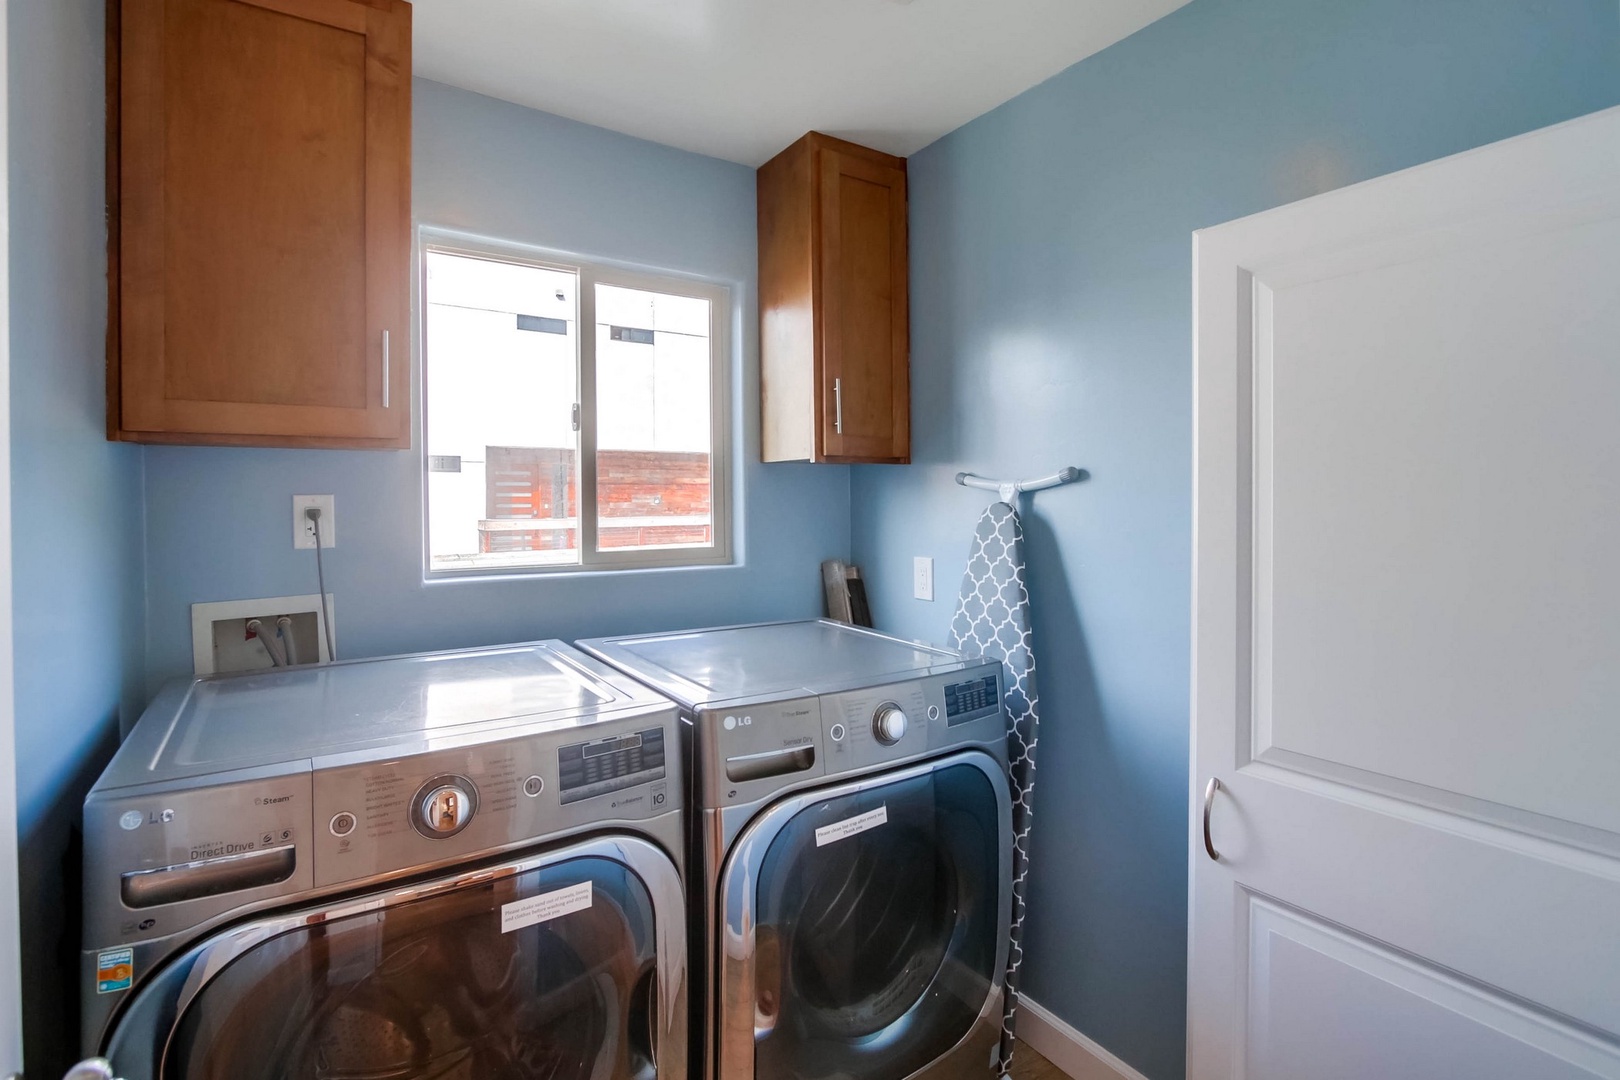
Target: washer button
(837,732)
(933,712)
(342,824)
(534,785)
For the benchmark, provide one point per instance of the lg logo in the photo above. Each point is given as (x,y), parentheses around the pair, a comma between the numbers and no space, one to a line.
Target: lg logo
(732,722)
(132,819)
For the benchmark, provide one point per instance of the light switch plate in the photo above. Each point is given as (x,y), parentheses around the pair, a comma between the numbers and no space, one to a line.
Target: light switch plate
(922,577)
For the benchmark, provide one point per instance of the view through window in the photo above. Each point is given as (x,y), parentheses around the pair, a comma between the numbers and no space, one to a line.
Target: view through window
(549,448)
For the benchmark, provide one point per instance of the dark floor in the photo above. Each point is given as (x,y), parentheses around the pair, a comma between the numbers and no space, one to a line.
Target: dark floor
(1028,1065)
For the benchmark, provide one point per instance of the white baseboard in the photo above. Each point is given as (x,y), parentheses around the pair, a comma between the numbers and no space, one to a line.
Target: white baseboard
(1074,1053)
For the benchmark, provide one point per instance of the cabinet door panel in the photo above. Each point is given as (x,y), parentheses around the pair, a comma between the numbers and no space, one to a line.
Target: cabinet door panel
(264,220)
(863,318)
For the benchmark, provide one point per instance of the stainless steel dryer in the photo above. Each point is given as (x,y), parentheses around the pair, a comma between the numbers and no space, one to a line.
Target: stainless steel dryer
(853,835)
(455,865)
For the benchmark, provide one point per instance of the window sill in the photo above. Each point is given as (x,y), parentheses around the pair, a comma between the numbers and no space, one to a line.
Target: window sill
(511,574)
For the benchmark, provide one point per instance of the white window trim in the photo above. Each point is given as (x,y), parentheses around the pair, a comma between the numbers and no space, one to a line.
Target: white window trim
(590,274)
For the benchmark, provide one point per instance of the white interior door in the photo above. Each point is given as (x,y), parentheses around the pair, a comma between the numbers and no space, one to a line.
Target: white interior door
(1407,625)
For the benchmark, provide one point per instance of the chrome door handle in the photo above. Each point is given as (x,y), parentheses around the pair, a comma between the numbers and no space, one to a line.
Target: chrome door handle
(838,406)
(385,372)
(1209,804)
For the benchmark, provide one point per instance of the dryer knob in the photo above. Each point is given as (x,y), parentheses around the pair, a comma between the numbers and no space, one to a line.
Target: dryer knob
(444,806)
(889,724)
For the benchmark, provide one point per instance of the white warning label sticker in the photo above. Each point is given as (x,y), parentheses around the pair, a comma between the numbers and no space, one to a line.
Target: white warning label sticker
(843,830)
(545,907)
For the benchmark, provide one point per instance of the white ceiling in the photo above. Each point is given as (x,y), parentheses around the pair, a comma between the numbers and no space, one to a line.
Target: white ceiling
(741,79)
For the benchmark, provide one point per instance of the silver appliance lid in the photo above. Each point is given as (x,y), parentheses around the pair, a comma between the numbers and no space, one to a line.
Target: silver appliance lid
(769,660)
(388,705)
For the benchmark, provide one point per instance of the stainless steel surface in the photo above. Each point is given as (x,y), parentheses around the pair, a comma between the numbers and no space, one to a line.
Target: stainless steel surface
(889,724)
(153,1015)
(372,708)
(1209,805)
(444,806)
(769,661)
(207,877)
(738,1026)
(814,722)
(238,772)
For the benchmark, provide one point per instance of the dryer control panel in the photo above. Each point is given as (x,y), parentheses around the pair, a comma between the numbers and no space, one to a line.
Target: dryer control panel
(750,751)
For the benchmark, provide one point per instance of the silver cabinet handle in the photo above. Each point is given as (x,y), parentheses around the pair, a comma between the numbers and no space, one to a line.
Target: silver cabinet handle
(1209,803)
(838,406)
(385,369)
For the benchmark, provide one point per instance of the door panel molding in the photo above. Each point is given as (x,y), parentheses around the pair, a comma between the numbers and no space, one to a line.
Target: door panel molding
(1275,929)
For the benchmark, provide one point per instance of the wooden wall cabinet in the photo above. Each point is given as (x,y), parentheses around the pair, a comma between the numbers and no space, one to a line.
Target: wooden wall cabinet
(834,335)
(259,234)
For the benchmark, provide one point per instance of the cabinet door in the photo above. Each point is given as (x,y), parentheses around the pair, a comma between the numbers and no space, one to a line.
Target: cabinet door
(865,391)
(264,222)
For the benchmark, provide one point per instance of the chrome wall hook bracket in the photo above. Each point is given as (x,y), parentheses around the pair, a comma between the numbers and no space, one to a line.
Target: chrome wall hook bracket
(1010,489)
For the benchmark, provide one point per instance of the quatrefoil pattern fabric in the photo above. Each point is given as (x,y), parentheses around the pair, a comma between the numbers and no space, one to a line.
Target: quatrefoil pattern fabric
(992,619)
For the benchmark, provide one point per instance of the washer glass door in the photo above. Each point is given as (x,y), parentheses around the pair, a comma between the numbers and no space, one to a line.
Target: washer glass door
(545,973)
(879,926)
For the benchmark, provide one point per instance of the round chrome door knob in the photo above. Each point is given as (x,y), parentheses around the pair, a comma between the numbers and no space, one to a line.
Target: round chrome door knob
(444,806)
(889,724)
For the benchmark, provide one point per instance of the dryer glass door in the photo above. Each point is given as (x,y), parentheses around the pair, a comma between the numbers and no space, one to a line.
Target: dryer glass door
(547,972)
(880,925)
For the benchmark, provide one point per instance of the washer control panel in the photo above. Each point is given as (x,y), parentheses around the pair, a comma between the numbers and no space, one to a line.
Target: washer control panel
(383,816)
(588,769)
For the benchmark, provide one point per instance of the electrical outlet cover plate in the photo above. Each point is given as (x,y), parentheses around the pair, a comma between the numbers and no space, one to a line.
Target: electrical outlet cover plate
(922,577)
(304,529)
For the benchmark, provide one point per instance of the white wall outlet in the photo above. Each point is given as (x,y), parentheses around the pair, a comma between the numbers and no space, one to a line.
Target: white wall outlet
(304,529)
(922,577)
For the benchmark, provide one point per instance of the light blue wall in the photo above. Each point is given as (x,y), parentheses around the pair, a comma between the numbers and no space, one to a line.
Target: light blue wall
(1051,301)
(218,521)
(75,498)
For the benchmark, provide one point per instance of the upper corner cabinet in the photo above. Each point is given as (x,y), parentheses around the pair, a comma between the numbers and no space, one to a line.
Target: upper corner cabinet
(259,186)
(834,336)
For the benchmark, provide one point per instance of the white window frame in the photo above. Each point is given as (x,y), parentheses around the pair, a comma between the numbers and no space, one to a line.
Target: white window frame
(589,275)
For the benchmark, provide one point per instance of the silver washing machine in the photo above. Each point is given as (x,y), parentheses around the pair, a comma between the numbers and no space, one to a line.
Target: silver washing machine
(463,866)
(852,848)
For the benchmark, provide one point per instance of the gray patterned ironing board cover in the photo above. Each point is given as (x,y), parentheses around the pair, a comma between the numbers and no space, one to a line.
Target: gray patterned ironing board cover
(993,619)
